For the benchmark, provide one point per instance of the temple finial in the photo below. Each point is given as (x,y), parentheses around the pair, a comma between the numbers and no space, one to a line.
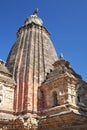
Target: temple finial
(35,11)
(61,56)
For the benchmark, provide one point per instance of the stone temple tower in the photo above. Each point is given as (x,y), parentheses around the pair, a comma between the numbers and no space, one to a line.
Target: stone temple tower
(29,60)
(43,91)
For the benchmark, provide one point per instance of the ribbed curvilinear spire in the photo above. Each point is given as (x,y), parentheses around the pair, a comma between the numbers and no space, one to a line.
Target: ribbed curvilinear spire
(30,58)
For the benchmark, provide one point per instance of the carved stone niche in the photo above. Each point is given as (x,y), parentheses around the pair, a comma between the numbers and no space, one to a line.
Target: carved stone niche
(1,93)
(81,92)
(26,123)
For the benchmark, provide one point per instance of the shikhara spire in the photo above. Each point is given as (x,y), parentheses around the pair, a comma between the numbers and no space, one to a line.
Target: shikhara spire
(43,92)
(29,61)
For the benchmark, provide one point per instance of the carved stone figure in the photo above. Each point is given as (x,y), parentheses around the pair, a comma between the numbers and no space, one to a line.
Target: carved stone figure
(82,96)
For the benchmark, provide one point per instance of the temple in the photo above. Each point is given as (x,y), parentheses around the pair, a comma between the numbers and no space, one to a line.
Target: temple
(38,89)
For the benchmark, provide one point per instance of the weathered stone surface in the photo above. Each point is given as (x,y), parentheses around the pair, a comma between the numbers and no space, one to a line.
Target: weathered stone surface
(48,93)
(29,61)
(60,115)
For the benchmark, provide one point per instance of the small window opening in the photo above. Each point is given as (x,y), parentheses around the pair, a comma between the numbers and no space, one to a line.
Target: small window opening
(78,98)
(42,99)
(0,100)
(55,101)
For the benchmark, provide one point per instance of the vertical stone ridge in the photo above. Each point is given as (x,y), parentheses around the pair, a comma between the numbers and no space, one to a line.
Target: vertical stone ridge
(43,52)
(27,52)
(34,67)
(36,59)
(17,71)
(14,69)
(38,55)
(33,64)
(23,69)
(26,88)
(19,75)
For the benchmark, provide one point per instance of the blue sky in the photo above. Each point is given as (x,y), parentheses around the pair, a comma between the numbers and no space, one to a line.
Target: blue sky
(66,20)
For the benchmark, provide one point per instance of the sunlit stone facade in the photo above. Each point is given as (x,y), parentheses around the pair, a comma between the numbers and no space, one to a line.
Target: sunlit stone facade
(38,90)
